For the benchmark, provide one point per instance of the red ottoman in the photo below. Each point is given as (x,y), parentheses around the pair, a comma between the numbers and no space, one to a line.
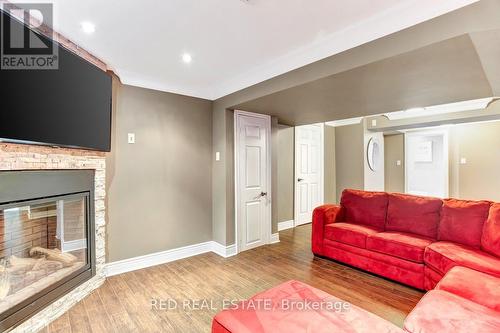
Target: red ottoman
(296,307)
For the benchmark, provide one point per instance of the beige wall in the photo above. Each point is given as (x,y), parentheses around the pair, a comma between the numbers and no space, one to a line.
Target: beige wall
(480,144)
(330,183)
(394,174)
(274,175)
(349,157)
(159,189)
(285,155)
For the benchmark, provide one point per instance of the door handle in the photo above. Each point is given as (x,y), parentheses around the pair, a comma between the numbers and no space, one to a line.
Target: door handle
(300,179)
(263,194)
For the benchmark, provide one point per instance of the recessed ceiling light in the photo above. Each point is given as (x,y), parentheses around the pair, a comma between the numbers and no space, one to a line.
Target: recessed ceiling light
(186,57)
(88,27)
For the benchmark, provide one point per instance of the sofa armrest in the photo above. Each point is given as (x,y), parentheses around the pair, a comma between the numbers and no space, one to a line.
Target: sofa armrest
(322,216)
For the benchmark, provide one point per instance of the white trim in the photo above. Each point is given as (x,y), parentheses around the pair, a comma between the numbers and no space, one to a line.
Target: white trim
(322,172)
(344,122)
(157,258)
(224,251)
(275,238)
(74,245)
(471,105)
(163,257)
(285,225)
(237,114)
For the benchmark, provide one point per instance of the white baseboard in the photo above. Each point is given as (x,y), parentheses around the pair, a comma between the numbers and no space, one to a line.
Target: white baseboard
(285,225)
(224,251)
(275,238)
(158,258)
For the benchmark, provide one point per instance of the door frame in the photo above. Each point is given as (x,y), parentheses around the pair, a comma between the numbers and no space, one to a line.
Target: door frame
(322,170)
(237,184)
(446,156)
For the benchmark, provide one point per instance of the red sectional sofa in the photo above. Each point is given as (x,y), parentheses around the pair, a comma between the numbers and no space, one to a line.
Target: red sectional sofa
(450,247)
(411,239)
(464,301)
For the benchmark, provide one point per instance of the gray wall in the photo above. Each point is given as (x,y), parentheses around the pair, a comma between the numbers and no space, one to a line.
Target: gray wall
(285,156)
(349,157)
(330,181)
(480,144)
(159,189)
(274,175)
(394,174)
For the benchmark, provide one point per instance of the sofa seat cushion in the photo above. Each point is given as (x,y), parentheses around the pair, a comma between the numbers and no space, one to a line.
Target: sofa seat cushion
(462,221)
(490,241)
(413,214)
(404,271)
(364,207)
(443,256)
(475,286)
(281,310)
(399,244)
(349,233)
(443,312)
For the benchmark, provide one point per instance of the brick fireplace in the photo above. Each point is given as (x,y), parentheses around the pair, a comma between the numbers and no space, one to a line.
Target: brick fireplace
(38,230)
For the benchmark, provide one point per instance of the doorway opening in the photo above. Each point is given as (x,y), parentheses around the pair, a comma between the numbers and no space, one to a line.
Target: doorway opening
(427,163)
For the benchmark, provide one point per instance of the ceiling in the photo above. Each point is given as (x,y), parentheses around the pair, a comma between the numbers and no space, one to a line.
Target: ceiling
(449,71)
(233,43)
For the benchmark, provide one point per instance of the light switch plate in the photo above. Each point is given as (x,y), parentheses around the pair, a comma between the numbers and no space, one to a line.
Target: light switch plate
(217,156)
(131,138)
(463,160)
(398,162)
(374,122)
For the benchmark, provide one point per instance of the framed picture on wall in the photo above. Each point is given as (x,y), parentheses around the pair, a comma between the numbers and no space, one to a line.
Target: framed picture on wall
(423,153)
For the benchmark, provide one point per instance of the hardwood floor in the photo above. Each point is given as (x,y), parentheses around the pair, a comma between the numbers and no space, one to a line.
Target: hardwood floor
(124,302)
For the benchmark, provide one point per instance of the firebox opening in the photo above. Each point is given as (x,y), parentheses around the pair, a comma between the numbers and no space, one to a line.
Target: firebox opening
(46,239)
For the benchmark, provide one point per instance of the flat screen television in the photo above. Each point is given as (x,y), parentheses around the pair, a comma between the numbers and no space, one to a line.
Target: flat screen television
(67,107)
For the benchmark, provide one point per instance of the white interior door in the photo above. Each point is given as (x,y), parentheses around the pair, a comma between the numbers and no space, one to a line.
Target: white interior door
(253,180)
(427,165)
(309,173)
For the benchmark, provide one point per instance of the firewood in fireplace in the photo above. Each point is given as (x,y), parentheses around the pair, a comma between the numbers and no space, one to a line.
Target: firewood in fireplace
(67,259)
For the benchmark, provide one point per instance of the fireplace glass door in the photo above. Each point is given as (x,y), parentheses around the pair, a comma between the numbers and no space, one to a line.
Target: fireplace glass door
(43,243)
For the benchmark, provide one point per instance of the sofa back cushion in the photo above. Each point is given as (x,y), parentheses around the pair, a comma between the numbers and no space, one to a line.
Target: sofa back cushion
(462,221)
(414,214)
(490,240)
(364,207)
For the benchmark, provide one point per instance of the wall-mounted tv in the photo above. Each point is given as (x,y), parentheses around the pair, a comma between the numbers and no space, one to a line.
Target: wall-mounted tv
(68,107)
